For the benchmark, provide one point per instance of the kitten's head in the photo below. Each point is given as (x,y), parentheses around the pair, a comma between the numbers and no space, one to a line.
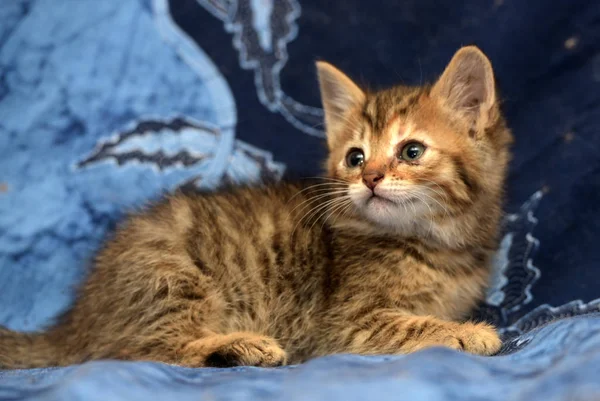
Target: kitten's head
(416,159)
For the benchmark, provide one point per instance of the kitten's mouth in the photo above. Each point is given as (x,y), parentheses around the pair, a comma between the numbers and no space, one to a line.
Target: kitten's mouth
(379,200)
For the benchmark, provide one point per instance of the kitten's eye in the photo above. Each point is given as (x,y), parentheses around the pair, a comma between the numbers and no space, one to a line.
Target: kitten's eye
(412,151)
(355,158)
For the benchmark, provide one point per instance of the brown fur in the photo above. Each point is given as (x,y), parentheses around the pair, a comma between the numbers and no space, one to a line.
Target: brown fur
(278,274)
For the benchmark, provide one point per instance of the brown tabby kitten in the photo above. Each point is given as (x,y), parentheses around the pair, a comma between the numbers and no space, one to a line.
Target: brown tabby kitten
(386,255)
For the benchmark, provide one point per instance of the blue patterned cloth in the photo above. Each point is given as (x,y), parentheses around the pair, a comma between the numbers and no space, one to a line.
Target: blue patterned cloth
(560,362)
(107,104)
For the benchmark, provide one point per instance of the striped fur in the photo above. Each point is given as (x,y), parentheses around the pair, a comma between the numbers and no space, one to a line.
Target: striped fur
(277,274)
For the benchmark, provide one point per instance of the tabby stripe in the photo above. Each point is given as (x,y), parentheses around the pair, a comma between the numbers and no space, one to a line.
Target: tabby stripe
(408,334)
(329,280)
(265,262)
(380,109)
(241,301)
(162,313)
(385,333)
(367,117)
(428,326)
(349,340)
(464,174)
(189,293)
(199,263)
(418,256)
(410,102)
(240,260)
(376,328)
(214,231)
(277,247)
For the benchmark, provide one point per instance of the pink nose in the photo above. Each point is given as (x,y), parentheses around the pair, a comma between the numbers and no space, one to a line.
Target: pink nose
(372,179)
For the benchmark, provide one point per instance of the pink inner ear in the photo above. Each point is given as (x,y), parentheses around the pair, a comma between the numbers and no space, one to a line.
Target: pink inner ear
(467,82)
(468,89)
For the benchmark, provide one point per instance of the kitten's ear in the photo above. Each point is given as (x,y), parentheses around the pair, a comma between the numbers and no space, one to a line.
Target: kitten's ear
(339,95)
(467,87)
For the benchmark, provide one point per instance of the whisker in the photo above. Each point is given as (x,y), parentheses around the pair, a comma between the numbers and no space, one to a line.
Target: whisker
(442,193)
(419,195)
(334,185)
(328,178)
(323,206)
(438,202)
(320,196)
(315,188)
(345,210)
(336,208)
(323,212)
(406,209)
(430,213)
(316,209)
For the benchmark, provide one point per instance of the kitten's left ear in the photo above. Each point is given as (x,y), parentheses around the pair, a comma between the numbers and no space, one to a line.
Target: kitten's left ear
(467,87)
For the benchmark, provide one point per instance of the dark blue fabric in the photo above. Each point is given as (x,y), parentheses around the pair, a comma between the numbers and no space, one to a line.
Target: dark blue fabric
(104,105)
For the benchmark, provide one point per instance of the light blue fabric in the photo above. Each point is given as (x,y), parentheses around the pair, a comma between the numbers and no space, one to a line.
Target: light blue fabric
(78,77)
(560,361)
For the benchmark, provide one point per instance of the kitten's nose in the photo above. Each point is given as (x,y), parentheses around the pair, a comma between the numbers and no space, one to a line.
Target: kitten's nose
(371,179)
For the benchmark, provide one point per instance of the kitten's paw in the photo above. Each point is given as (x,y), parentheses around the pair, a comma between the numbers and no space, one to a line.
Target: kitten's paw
(475,338)
(246,349)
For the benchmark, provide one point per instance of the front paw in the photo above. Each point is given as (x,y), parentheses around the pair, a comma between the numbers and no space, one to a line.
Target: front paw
(475,338)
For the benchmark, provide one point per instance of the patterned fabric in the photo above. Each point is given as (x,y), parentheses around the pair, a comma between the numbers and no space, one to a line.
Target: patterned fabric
(107,104)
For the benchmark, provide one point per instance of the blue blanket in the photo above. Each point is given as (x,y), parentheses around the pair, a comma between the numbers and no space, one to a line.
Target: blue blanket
(105,105)
(560,362)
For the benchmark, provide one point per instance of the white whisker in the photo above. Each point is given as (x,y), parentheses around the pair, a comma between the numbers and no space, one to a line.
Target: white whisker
(315,210)
(317,197)
(336,208)
(329,207)
(436,201)
(329,179)
(335,185)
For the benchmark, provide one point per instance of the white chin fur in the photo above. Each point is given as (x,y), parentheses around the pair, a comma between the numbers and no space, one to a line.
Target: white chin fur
(391,212)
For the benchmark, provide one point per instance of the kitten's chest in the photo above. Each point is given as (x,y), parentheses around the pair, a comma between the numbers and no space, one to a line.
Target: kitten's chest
(427,289)
(455,297)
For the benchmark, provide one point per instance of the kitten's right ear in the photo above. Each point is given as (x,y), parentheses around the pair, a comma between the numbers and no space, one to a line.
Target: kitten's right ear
(339,95)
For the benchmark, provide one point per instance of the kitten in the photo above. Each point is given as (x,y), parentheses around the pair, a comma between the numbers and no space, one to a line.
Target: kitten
(387,254)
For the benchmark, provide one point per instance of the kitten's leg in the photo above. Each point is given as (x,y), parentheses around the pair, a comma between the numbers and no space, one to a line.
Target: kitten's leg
(234,349)
(185,338)
(390,332)
(184,343)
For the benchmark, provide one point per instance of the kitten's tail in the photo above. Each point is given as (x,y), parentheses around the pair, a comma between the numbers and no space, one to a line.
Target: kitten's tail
(26,350)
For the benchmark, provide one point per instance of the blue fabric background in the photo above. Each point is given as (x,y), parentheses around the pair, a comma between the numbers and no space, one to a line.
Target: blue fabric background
(107,104)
